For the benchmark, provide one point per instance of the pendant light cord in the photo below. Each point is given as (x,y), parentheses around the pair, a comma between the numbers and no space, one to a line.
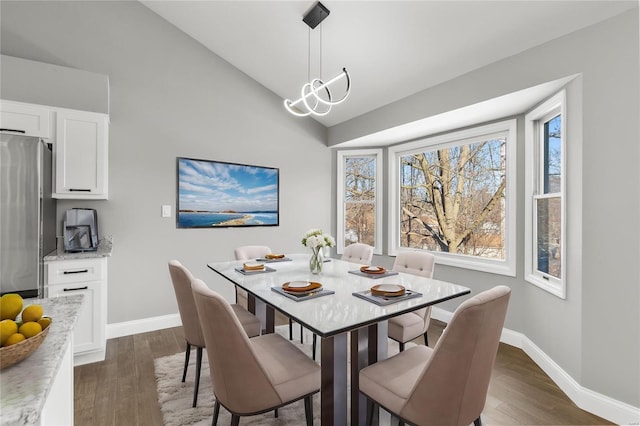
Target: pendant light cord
(320,76)
(309,56)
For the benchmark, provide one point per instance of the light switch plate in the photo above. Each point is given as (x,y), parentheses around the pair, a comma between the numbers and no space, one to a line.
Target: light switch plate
(166,210)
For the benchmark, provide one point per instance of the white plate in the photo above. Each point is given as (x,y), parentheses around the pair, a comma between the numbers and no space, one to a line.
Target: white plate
(389,288)
(372,269)
(303,293)
(299,284)
(253,264)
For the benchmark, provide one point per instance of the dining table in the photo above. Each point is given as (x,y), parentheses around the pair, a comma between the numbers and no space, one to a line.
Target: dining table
(349,319)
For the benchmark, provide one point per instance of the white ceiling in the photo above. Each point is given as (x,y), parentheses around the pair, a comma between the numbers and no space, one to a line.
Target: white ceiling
(392,49)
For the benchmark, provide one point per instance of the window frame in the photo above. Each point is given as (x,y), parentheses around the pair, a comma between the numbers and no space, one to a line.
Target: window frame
(502,267)
(340,195)
(534,155)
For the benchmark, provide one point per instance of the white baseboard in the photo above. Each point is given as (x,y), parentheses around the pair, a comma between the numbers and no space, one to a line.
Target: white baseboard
(89,357)
(128,328)
(601,405)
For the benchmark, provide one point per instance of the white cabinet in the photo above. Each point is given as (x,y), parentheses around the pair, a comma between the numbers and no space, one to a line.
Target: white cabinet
(81,155)
(80,145)
(87,277)
(26,119)
(58,408)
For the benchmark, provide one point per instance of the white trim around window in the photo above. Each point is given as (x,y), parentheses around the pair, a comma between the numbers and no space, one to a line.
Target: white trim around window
(340,191)
(534,120)
(506,266)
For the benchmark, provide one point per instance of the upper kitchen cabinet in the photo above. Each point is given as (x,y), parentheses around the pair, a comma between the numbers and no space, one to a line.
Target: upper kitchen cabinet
(81,153)
(24,119)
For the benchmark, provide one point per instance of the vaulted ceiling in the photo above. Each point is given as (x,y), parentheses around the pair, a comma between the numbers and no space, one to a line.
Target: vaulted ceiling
(392,49)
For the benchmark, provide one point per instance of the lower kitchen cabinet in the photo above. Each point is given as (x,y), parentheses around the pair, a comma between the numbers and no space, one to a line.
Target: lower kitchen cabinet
(89,278)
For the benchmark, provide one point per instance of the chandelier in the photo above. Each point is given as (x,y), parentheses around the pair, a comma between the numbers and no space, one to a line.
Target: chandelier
(315,96)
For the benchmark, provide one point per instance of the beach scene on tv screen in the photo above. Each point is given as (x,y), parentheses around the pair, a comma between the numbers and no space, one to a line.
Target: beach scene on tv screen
(218,194)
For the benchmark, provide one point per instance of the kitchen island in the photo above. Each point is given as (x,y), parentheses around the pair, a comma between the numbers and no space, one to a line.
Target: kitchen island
(39,389)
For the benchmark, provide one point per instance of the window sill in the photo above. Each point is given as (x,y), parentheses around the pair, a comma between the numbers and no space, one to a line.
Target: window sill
(556,288)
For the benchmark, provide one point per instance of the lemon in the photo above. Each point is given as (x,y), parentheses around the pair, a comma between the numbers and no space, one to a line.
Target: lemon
(30,329)
(44,322)
(13,339)
(7,328)
(32,313)
(10,306)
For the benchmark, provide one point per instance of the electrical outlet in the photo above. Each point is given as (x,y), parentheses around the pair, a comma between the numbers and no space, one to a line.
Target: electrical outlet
(166,210)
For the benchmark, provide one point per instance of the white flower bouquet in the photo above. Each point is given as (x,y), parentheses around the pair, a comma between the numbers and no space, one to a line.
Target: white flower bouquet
(315,239)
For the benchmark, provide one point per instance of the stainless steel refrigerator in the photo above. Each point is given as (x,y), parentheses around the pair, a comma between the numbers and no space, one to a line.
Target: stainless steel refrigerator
(27,214)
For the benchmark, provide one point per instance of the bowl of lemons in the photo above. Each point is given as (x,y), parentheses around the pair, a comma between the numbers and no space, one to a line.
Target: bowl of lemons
(21,330)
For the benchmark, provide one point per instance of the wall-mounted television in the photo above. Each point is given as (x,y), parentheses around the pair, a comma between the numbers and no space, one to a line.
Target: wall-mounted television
(217,194)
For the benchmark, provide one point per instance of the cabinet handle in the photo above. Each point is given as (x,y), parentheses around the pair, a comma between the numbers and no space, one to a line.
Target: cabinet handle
(79,190)
(13,130)
(76,289)
(79,271)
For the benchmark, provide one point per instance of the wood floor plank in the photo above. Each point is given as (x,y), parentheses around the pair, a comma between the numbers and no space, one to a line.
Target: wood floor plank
(127,385)
(107,389)
(122,390)
(148,407)
(85,384)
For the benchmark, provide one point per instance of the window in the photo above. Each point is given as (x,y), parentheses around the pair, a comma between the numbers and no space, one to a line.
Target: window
(545,203)
(454,195)
(359,198)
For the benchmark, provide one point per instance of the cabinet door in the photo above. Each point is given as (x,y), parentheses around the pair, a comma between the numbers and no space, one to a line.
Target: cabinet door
(81,152)
(89,333)
(24,119)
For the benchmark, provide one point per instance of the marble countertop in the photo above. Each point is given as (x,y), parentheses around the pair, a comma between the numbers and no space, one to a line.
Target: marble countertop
(105,246)
(25,386)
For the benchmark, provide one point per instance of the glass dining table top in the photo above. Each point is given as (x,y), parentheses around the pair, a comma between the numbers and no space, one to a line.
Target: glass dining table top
(341,311)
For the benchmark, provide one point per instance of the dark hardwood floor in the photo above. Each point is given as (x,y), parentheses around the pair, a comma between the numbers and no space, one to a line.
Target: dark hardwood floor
(121,390)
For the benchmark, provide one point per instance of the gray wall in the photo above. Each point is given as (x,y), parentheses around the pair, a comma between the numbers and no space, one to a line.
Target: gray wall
(594,334)
(46,84)
(171,97)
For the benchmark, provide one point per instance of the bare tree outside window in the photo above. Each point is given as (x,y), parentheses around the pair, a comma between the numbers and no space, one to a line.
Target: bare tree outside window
(452,199)
(360,200)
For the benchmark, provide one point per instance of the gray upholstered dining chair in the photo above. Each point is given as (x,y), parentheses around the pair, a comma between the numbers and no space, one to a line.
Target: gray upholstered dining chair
(355,253)
(251,376)
(407,327)
(251,252)
(248,253)
(255,252)
(358,253)
(181,278)
(446,385)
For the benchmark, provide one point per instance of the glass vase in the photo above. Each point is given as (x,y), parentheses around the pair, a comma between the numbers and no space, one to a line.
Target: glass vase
(316,261)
